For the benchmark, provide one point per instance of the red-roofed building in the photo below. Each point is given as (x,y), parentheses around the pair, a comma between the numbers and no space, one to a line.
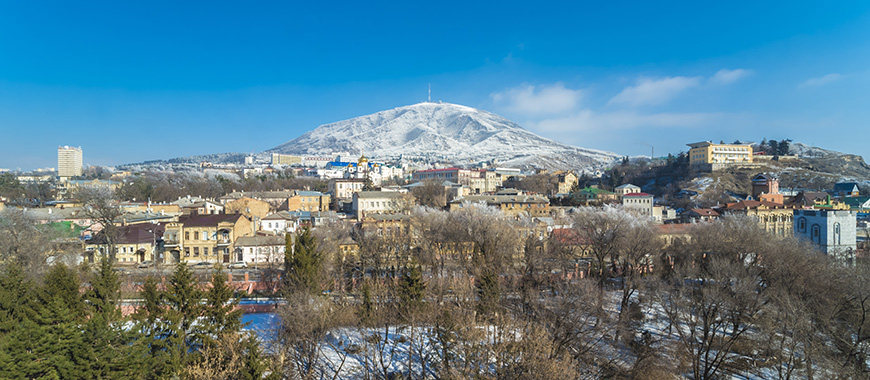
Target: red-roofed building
(699,215)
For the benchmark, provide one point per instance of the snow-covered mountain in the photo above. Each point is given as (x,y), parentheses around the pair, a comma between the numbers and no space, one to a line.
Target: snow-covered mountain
(443,132)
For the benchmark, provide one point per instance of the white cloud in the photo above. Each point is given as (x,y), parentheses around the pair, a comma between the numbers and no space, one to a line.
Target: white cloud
(726,76)
(537,100)
(833,77)
(649,91)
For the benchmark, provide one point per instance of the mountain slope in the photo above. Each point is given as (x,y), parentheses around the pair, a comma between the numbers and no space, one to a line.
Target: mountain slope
(443,132)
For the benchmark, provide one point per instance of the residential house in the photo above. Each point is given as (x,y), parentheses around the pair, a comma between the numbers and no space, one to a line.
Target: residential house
(699,215)
(254,209)
(565,181)
(516,205)
(831,231)
(279,223)
(202,208)
(209,238)
(859,204)
(306,201)
(135,243)
(260,249)
(598,195)
(273,198)
(846,189)
(808,199)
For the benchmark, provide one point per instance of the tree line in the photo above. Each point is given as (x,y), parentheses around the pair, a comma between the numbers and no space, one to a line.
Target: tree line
(466,294)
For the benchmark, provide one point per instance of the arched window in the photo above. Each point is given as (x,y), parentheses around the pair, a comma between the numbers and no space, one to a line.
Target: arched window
(837,233)
(817,234)
(802,224)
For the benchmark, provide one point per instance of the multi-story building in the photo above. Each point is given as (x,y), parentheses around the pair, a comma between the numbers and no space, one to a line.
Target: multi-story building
(343,188)
(640,204)
(766,188)
(69,161)
(480,181)
(306,201)
(626,189)
(831,231)
(209,238)
(380,202)
(565,181)
(249,207)
(706,152)
(775,218)
(285,159)
(530,205)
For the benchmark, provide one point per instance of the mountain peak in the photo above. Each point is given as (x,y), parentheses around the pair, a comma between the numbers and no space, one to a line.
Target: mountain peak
(443,132)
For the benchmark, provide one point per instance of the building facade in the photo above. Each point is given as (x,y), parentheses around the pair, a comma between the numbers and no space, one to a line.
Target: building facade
(831,231)
(69,161)
(706,152)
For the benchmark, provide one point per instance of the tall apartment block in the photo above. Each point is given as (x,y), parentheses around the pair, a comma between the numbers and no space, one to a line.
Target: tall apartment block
(69,161)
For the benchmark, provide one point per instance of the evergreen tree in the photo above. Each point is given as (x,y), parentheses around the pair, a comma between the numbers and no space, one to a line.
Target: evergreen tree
(366,311)
(220,314)
(783,148)
(303,264)
(411,287)
(368,185)
(488,293)
(110,343)
(183,298)
(49,342)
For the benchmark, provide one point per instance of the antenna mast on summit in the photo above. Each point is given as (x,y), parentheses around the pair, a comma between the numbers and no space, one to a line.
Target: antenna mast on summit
(430,92)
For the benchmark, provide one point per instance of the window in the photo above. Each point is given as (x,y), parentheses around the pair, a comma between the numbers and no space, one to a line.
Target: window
(186,235)
(205,251)
(196,235)
(195,251)
(802,225)
(186,251)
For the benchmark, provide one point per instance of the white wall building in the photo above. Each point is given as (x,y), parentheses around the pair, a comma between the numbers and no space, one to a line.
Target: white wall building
(832,231)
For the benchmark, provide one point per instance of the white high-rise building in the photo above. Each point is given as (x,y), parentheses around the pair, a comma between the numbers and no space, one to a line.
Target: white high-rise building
(69,161)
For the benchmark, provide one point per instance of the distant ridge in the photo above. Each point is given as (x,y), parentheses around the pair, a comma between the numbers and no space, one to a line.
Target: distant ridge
(444,132)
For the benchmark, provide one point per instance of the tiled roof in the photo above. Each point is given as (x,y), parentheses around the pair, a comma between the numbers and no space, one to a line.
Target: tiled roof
(637,195)
(209,220)
(704,211)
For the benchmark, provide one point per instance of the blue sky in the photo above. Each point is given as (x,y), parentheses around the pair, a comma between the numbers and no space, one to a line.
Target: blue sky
(133,82)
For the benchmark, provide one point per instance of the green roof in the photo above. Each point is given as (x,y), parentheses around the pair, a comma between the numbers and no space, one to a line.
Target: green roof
(855,202)
(67,229)
(595,191)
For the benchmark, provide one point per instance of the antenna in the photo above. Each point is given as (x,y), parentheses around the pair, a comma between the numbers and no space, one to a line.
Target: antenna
(430,92)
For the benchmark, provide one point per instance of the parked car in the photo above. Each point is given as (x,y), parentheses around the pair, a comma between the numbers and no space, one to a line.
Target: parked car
(238,265)
(146,264)
(203,265)
(122,271)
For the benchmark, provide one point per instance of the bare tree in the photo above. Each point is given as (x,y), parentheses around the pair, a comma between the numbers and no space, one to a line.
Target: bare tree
(102,206)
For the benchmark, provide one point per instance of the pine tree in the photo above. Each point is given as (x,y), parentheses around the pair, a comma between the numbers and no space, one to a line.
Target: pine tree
(366,312)
(183,298)
(488,293)
(220,314)
(110,343)
(411,287)
(303,264)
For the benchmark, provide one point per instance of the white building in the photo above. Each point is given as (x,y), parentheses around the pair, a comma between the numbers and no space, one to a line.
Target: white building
(640,204)
(832,231)
(378,202)
(279,223)
(260,249)
(69,161)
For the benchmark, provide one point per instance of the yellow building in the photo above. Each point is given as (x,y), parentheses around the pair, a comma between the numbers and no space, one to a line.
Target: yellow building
(775,218)
(248,207)
(706,152)
(529,205)
(306,201)
(209,238)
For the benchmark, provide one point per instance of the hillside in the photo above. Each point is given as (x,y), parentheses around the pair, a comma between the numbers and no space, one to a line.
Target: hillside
(444,132)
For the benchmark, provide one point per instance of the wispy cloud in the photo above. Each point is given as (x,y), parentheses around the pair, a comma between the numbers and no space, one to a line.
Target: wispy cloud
(538,100)
(650,91)
(821,81)
(726,76)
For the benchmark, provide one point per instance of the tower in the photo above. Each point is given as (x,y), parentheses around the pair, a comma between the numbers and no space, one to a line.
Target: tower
(69,161)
